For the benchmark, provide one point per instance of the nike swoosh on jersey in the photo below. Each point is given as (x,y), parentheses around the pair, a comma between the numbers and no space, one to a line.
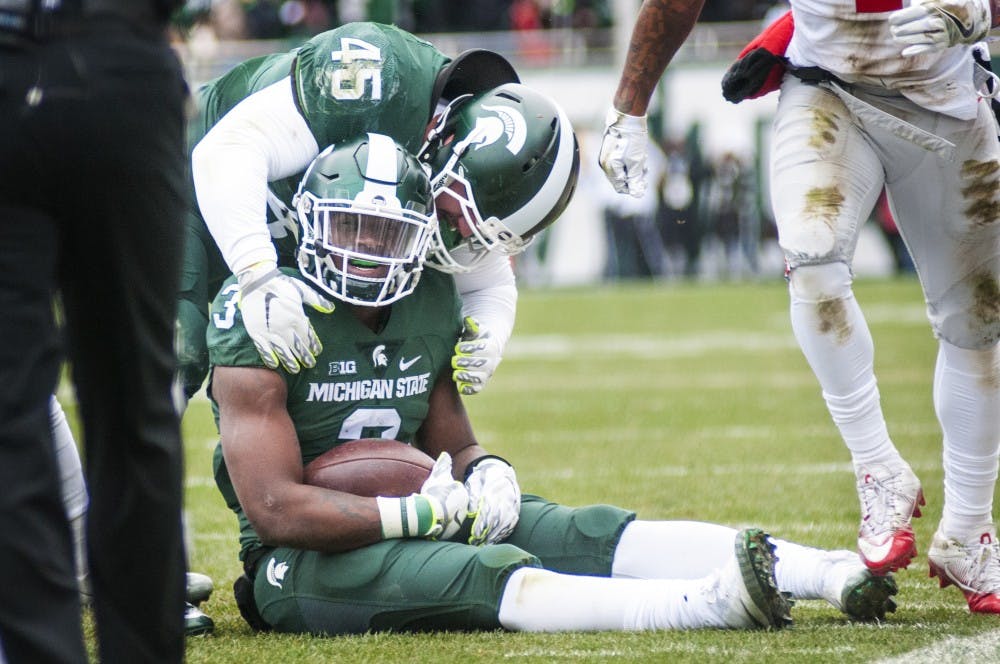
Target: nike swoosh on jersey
(406,364)
(966,32)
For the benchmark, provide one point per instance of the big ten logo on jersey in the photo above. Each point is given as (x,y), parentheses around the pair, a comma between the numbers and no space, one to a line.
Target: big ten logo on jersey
(342,368)
(876,6)
(359,72)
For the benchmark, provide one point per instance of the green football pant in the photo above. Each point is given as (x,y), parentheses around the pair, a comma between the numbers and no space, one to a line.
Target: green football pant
(414,584)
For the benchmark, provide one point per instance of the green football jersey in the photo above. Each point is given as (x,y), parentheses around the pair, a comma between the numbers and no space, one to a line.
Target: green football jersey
(357,78)
(365,384)
(353,79)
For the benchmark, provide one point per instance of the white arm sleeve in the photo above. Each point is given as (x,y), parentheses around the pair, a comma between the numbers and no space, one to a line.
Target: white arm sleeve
(489,293)
(263,138)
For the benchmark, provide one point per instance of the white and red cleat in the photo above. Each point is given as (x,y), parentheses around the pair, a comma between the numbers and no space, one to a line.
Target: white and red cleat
(972,566)
(890,498)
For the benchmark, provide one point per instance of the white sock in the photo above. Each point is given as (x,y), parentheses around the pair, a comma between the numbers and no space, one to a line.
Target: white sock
(538,600)
(834,337)
(73,489)
(967,402)
(810,573)
(672,549)
(694,549)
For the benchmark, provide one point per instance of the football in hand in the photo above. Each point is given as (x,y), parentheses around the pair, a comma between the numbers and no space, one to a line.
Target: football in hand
(371,467)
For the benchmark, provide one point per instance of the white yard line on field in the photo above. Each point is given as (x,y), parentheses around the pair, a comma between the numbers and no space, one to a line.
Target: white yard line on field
(978,648)
(642,345)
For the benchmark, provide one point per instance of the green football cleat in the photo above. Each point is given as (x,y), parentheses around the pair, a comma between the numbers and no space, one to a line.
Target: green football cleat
(868,597)
(764,603)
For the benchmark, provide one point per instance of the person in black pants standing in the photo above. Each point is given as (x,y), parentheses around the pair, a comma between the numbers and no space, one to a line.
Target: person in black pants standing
(92,184)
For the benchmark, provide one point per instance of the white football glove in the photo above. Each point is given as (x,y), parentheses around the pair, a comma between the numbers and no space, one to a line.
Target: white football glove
(437,512)
(448,497)
(477,355)
(934,25)
(494,498)
(623,152)
(271,303)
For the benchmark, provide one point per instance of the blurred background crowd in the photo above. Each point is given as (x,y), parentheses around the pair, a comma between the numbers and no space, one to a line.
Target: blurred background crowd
(275,19)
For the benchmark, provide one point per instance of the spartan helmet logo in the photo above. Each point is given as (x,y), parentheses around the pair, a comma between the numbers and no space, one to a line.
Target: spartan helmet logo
(508,123)
(276,572)
(378,356)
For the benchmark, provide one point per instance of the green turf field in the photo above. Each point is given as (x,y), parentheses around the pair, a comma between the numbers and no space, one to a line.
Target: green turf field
(680,401)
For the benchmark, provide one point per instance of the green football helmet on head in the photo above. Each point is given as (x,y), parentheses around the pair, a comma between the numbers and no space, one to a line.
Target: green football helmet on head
(505,163)
(367,217)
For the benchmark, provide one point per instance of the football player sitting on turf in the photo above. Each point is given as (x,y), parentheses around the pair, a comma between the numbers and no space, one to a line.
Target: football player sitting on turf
(262,123)
(328,562)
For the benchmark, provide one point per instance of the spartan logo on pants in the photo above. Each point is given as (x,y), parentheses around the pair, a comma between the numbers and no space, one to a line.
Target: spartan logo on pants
(276,572)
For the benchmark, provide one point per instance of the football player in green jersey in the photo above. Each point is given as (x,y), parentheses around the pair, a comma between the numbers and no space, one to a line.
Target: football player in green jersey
(264,121)
(472,554)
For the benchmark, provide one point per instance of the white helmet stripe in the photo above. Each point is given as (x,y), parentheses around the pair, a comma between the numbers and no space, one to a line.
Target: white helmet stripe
(381,169)
(532,212)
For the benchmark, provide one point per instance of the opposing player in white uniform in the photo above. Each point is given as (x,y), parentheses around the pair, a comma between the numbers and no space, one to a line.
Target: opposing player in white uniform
(882,93)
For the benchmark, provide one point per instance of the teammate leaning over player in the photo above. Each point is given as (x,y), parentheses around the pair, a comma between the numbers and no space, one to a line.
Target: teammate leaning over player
(879,94)
(322,561)
(264,121)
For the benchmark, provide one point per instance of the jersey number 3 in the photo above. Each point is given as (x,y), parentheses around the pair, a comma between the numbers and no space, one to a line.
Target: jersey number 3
(360,67)
(876,6)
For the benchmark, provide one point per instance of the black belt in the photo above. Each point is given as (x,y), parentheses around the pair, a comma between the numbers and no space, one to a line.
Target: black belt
(814,75)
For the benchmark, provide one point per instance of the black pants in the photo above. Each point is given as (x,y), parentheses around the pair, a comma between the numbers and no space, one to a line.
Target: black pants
(92,178)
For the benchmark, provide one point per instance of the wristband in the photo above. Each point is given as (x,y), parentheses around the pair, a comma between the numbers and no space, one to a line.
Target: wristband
(411,516)
(469,469)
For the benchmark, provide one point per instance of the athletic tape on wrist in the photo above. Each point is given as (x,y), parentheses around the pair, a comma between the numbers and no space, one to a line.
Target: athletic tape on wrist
(411,516)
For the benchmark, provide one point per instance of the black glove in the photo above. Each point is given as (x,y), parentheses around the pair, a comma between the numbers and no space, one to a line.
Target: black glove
(760,66)
(753,75)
